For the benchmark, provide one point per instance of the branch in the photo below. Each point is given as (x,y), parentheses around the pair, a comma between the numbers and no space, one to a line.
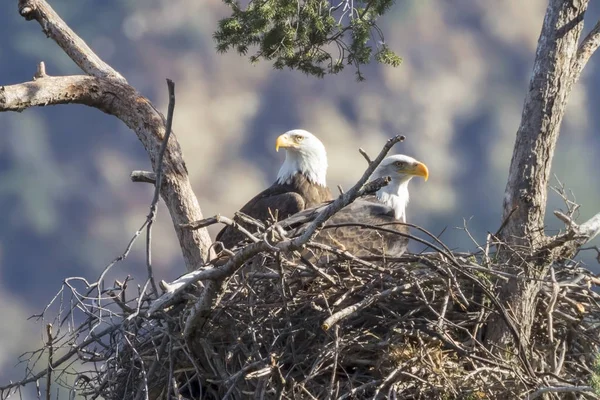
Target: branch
(586,49)
(54,365)
(579,234)
(220,219)
(50,345)
(159,176)
(56,29)
(124,102)
(590,228)
(143,176)
(559,389)
(361,305)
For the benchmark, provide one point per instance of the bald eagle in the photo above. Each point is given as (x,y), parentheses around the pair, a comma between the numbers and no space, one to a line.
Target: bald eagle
(300,184)
(351,229)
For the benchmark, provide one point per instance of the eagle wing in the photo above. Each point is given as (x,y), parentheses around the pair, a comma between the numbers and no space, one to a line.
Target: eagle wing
(266,205)
(355,229)
(278,201)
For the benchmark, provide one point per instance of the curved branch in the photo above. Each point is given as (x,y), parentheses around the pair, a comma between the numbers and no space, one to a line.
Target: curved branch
(586,49)
(56,29)
(124,102)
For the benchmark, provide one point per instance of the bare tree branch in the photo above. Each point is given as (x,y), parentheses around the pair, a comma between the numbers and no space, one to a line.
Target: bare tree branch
(143,176)
(559,389)
(586,49)
(124,102)
(576,235)
(361,305)
(159,175)
(111,94)
(50,345)
(590,228)
(56,29)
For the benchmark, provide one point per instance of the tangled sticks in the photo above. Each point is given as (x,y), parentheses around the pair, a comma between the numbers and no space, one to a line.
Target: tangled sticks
(412,327)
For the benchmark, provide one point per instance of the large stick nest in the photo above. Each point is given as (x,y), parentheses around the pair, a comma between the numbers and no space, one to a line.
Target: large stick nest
(413,327)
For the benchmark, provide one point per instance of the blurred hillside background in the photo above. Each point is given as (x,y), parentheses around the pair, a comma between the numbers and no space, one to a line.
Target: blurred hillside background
(68,208)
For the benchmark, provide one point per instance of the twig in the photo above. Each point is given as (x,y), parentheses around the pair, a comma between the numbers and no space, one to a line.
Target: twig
(155,363)
(50,345)
(318,270)
(550,309)
(157,186)
(41,71)
(505,221)
(143,176)
(203,223)
(559,389)
(587,47)
(365,155)
(361,305)
(336,351)
(345,255)
(61,360)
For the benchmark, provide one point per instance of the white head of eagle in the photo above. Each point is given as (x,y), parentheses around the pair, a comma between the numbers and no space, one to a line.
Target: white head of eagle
(401,169)
(304,154)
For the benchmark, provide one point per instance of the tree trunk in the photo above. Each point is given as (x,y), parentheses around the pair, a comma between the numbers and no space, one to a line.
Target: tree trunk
(525,196)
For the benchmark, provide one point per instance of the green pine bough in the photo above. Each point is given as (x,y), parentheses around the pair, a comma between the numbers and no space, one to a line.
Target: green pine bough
(316,37)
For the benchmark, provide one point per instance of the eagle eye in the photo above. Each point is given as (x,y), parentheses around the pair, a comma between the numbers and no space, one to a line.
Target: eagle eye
(399,164)
(298,138)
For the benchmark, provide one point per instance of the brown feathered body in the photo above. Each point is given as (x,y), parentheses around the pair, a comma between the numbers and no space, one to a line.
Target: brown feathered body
(364,228)
(279,201)
(372,225)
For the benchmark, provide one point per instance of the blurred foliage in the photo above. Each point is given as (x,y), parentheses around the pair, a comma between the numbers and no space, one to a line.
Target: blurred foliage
(316,37)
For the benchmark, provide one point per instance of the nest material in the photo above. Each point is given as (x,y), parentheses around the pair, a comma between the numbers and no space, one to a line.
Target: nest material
(410,328)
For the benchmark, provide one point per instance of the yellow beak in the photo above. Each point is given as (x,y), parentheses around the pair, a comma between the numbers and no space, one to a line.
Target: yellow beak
(284,142)
(420,169)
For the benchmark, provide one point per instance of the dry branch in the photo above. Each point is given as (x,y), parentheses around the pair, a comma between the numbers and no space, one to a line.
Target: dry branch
(143,176)
(75,47)
(108,91)
(586,49)
(125,103)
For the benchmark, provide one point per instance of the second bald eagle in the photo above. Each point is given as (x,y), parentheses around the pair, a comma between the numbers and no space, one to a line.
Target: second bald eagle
(372,225)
